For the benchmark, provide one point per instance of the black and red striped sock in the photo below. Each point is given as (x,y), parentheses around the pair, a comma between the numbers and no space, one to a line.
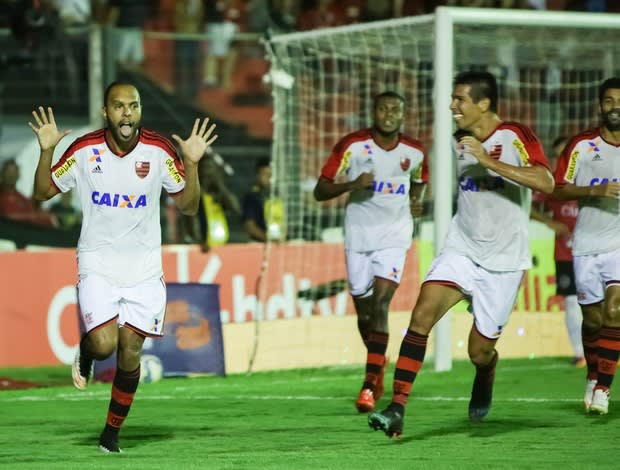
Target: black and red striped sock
(590,351)
(410,360)
(608,353)
(377,345)
(123,390)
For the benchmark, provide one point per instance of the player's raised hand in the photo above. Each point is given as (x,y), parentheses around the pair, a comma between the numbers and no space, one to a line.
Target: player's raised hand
(45,128)
(474,147)
(193,148)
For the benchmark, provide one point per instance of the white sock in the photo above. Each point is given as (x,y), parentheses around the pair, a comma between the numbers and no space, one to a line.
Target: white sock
(573,318)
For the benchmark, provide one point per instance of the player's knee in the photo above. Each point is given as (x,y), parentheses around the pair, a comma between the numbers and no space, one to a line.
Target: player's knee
(480,356)
(102,347)
(611,312)
(422,319)
(592,323)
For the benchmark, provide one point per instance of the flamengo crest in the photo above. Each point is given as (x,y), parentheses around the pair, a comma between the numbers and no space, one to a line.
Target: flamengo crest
(142,168)
(405,163)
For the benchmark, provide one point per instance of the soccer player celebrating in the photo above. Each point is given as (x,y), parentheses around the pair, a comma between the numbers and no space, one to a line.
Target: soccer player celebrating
(588,170)
(385,174)
(486,249)
(119,172)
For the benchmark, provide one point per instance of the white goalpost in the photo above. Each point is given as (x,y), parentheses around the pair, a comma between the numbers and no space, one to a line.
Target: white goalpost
(548,66)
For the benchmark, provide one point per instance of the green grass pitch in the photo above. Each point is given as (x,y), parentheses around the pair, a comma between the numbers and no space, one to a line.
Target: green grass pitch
(305,419)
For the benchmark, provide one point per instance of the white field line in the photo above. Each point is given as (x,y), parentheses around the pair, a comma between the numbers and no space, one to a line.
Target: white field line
(105,395)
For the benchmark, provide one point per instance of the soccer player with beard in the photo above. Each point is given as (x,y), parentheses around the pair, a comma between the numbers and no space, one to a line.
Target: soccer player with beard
(589,171)
(119,172)
(385,175)
(486,249)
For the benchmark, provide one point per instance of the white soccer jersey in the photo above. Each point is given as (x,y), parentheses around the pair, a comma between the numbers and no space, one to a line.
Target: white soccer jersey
(121,236)
(492,218)
(380,217)
(587,161)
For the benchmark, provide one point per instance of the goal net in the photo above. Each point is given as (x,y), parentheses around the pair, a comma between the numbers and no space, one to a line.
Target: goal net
(548,66)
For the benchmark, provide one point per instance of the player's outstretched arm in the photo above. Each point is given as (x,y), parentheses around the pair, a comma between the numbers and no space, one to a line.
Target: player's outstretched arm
(192,150)
(326,189)
(48,136)
(570,191)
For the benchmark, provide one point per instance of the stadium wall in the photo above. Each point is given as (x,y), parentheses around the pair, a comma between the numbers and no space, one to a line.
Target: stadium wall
(38,308)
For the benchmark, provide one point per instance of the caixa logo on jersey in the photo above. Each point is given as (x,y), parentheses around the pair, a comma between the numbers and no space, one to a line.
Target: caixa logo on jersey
(476,185)
(123,201)
(386,187)
(595,181)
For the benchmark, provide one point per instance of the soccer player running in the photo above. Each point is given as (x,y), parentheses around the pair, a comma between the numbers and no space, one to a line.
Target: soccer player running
(589,170)
(385,174)
(561,216)
(119,172)
(486,249)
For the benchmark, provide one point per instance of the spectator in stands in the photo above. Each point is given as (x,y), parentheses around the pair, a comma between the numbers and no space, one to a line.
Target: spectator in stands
(74,12)
(283,15)
(14,205)
(129,16)
(324,14)
(217,203)
(262,215)
(188,19)
(222,18)
(68,216)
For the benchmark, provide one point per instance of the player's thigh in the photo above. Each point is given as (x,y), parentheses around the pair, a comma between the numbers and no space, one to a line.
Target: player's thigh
(98,301)
(434,300)
(447,282)
(610,277)
(493,299)
(588,279)
(359,273)
(143,307)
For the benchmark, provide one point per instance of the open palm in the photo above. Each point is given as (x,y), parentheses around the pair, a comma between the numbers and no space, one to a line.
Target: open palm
(45,128)
(194,147)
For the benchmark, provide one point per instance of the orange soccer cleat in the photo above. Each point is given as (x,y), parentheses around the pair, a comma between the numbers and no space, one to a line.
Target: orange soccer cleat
(365,401)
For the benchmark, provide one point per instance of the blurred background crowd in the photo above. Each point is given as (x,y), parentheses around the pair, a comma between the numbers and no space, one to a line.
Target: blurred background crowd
(188,58)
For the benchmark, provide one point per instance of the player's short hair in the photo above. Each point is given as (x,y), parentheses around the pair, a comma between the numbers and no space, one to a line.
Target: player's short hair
(613,82)
(263,162)
(387,94)
(106,93)
(483,85)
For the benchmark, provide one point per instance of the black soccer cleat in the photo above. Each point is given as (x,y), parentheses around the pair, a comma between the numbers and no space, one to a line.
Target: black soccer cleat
(481,397)
(109,446)
(108,441)
(389,421)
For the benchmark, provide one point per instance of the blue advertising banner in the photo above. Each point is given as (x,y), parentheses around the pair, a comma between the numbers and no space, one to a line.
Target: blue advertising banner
(192,342)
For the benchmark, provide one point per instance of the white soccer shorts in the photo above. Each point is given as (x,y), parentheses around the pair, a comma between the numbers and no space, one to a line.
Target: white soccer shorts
(363,267)
(594,273)
(141,307)
(492,293)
